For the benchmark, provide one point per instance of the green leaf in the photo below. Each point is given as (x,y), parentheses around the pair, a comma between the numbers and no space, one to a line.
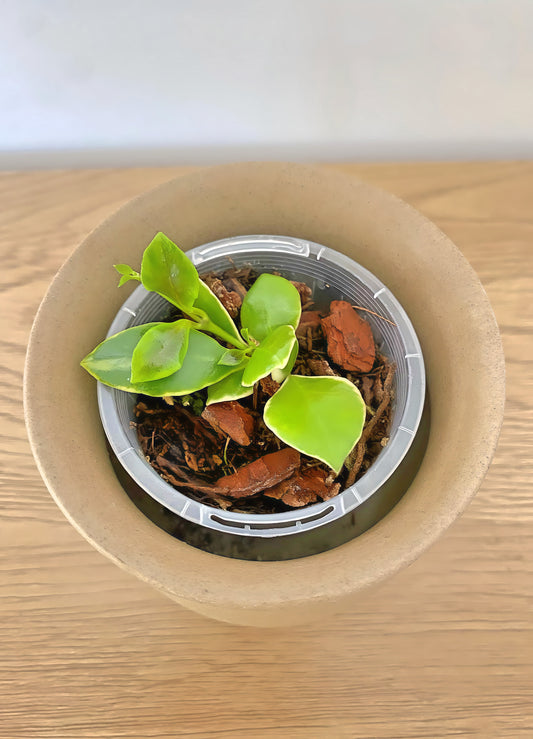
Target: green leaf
(322,417)
(160,352)
(110,363)
(279,374)
(125,269)
(271,302)
(248,339)
(230,388)
(200,369)
(127,272)
(273,352)
(233,357)
(167,271)
(208,302)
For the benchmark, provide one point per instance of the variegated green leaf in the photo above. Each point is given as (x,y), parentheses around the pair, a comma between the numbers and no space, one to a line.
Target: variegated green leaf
(127,272)
(233,357)
(167,271)
(271,302)
(215,311)
(160,351)
(322,417)
(280,373)
(230,388)
(272,353)
(110,363)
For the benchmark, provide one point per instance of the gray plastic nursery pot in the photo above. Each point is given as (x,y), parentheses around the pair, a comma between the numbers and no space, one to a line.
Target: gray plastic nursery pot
(427,275)
(331,275)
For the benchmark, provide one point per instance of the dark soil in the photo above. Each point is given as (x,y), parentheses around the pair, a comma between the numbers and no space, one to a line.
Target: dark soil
(225,456)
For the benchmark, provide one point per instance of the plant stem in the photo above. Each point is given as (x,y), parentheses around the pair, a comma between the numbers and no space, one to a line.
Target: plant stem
(214,329)
(203,323)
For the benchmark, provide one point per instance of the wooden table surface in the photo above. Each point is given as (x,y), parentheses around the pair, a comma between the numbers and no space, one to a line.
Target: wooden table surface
(443,649)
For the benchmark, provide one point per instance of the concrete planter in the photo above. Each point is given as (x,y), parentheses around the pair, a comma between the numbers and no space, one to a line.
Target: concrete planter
(442,296)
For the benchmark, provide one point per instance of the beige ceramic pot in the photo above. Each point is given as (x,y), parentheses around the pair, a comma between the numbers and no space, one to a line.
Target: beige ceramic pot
(442,296)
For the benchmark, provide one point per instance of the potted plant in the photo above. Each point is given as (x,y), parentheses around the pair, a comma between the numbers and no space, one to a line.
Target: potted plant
(422,268)
(293,425)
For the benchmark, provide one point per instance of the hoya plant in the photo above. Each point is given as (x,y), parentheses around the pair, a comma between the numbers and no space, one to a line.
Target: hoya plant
(322,417)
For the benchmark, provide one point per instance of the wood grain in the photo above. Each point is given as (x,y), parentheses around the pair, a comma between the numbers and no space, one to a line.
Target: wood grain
(444,649)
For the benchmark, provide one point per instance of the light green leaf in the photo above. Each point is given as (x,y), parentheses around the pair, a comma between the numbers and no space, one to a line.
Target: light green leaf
(215,311)
(167,271)
(161,351)
(127,272)
(272,353)
(248,339)
(124,279)
(230,388)
(125,269)
(110,363)
(322,417)
(200,369)
(279,374)
(233,357)
(271,302)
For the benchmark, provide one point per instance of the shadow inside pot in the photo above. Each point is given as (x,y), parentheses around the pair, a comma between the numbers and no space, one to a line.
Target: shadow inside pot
(292,546)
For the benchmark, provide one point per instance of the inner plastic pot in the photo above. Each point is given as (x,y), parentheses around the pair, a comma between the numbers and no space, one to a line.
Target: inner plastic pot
(331,276)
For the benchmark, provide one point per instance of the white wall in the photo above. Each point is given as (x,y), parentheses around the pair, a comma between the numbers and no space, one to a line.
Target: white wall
(170,81)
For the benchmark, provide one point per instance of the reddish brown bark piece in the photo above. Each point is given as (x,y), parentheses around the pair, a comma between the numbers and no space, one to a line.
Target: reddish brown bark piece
(175,474)
(231,300)
(304,291)
(269,386)
(303,488)
(320,367)
(234,285)
(349,337)
(309,319)
(263,473)
(245,275)
(332,491)
(232,419)
(367,389)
